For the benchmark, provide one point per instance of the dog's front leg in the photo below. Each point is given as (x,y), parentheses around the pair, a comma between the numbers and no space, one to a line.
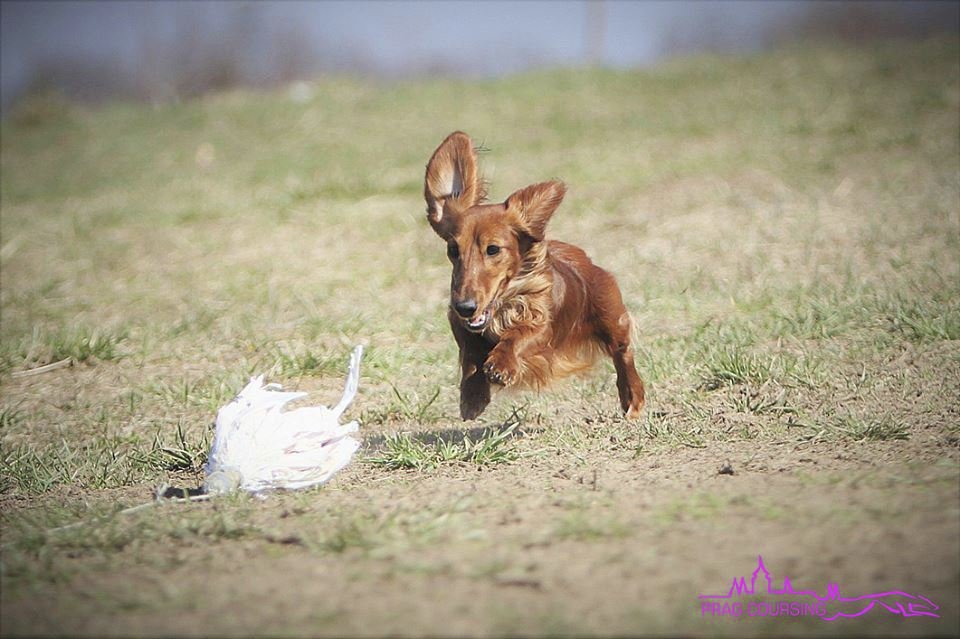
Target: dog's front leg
(505,364)
(474,385)
(474,388)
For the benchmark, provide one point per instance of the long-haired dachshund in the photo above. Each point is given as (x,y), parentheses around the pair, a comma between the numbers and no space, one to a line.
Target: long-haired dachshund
(524,310)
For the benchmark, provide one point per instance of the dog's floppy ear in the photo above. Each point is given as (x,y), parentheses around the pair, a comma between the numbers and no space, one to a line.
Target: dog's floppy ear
(452,183)
(533,206)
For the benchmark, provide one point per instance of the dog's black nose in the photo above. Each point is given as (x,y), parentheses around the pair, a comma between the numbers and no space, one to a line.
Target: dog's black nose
(465,308)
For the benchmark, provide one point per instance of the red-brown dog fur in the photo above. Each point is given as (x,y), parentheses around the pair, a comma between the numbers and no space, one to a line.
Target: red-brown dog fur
(524,310)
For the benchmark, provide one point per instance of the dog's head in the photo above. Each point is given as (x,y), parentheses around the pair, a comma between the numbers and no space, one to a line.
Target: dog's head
(488,244)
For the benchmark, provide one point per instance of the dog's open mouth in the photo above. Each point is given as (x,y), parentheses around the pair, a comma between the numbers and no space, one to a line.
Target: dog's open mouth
(479,321)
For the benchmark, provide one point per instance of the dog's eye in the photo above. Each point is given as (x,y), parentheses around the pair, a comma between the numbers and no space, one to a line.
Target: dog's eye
(453,251)
(493,250)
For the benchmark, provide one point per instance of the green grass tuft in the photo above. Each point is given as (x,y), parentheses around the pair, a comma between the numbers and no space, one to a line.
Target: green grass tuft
(404,451)
(183,454)
(10,417)
(77,344)
(735,365)
(924,321)
(208,393)
(301,362)
(883,428)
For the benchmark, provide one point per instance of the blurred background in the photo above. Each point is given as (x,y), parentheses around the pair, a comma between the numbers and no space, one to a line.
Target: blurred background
(162,51)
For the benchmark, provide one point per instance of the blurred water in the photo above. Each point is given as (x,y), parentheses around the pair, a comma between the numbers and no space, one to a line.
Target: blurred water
(146,48)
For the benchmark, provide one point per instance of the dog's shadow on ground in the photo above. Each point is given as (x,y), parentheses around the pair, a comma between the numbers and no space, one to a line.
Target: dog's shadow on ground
(375,442)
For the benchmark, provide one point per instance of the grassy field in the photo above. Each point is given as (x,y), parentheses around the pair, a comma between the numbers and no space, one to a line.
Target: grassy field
(786,231)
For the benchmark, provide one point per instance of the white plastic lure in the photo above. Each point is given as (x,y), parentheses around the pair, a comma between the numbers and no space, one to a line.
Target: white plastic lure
(257,446)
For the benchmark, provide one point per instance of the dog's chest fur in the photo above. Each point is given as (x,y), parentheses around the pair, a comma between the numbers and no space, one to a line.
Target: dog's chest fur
(529,301)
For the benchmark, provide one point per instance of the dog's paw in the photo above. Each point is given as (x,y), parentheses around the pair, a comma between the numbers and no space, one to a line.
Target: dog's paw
(634,411)
(502,367)
(470,410)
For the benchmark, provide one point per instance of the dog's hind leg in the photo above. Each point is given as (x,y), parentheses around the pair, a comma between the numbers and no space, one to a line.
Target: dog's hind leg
(615,330)
(629,384)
